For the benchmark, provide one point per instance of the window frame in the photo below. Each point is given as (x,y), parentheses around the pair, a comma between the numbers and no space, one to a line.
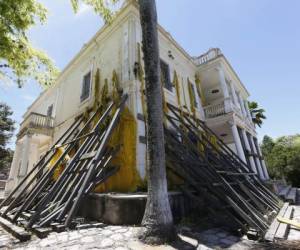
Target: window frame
(50,107)
(195,94)
(85,97)
(168,86)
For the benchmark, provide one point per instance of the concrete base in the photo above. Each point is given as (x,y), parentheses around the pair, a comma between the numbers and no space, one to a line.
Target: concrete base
(128,209)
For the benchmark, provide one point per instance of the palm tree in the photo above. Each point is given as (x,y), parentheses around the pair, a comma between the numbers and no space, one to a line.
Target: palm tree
(257,113)
(157,222)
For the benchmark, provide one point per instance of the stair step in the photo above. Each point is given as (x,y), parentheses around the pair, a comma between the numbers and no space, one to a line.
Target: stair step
(298,196)
(269,236)
(291,196)
(283,193)
(277,230)
(283,228)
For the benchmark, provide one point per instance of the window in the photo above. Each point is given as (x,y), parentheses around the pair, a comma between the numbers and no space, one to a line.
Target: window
(19,169)
(50,110)
(194,95)
(86,84)
(165,75)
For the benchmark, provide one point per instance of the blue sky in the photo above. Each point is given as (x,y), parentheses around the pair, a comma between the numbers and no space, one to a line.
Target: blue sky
(260,38)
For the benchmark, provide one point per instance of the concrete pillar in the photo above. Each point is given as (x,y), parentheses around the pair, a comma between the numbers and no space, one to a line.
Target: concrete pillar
(238,143)
(247,144)
(234,96)
(242,105)
(14,166)
(224,88)
(257,160)
(25,155)
(262,161)
(12,179)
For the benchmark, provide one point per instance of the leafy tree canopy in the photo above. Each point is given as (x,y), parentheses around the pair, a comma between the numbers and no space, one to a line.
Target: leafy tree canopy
(283,157)
(6,132)
(102,7)
(19,60)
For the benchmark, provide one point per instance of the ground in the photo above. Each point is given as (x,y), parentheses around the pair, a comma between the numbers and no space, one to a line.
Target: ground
(124,238)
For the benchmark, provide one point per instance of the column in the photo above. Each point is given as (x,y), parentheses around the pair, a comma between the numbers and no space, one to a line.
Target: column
(25,155)
(224,90)
(262,161)
(235,98)
(238,143)
(242,104)
(258,164)
(247,144)
(12,180)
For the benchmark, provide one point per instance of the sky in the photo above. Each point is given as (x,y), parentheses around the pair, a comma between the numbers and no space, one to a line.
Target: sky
(260,38)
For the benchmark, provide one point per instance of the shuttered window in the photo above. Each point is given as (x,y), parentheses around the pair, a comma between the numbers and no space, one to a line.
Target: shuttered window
(195,97)
(165,75)
(50,110)
(86,84)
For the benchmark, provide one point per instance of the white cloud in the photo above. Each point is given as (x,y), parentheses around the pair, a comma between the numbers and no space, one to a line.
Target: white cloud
(83,9)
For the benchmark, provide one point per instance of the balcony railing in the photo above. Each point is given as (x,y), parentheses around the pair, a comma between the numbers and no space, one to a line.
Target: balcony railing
(209,55)
(215,110)
(224,107)
(37,122)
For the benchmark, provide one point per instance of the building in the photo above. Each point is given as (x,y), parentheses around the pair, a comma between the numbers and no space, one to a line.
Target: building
(206,86)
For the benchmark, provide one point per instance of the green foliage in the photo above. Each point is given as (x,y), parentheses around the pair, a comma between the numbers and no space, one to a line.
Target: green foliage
(257,113)
(267,145)
(283,157)
(6,132)
(102,7)
(18,59)
(6,161)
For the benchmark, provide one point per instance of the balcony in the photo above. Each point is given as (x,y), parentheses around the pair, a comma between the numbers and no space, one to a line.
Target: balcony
(214,110)
(37,123)
(224,107)
(208,56)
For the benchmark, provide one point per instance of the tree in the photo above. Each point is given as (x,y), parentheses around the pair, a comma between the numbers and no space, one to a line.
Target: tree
(6,132)
(19,60)
(283,157)
(256,113)
(267,145)
(158,220)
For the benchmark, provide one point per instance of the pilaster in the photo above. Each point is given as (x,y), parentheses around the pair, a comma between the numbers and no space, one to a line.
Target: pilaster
(242,105)
(25,155)
(234,96)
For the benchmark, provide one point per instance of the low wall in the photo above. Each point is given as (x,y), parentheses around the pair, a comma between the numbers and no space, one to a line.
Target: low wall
(128,209)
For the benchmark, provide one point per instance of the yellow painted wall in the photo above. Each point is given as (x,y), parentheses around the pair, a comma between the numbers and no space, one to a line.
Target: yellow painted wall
(127,178)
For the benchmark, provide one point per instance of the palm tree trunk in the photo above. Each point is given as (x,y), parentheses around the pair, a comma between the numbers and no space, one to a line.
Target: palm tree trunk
(158,221)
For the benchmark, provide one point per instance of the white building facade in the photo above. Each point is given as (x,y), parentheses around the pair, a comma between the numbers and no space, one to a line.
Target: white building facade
(206,86)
